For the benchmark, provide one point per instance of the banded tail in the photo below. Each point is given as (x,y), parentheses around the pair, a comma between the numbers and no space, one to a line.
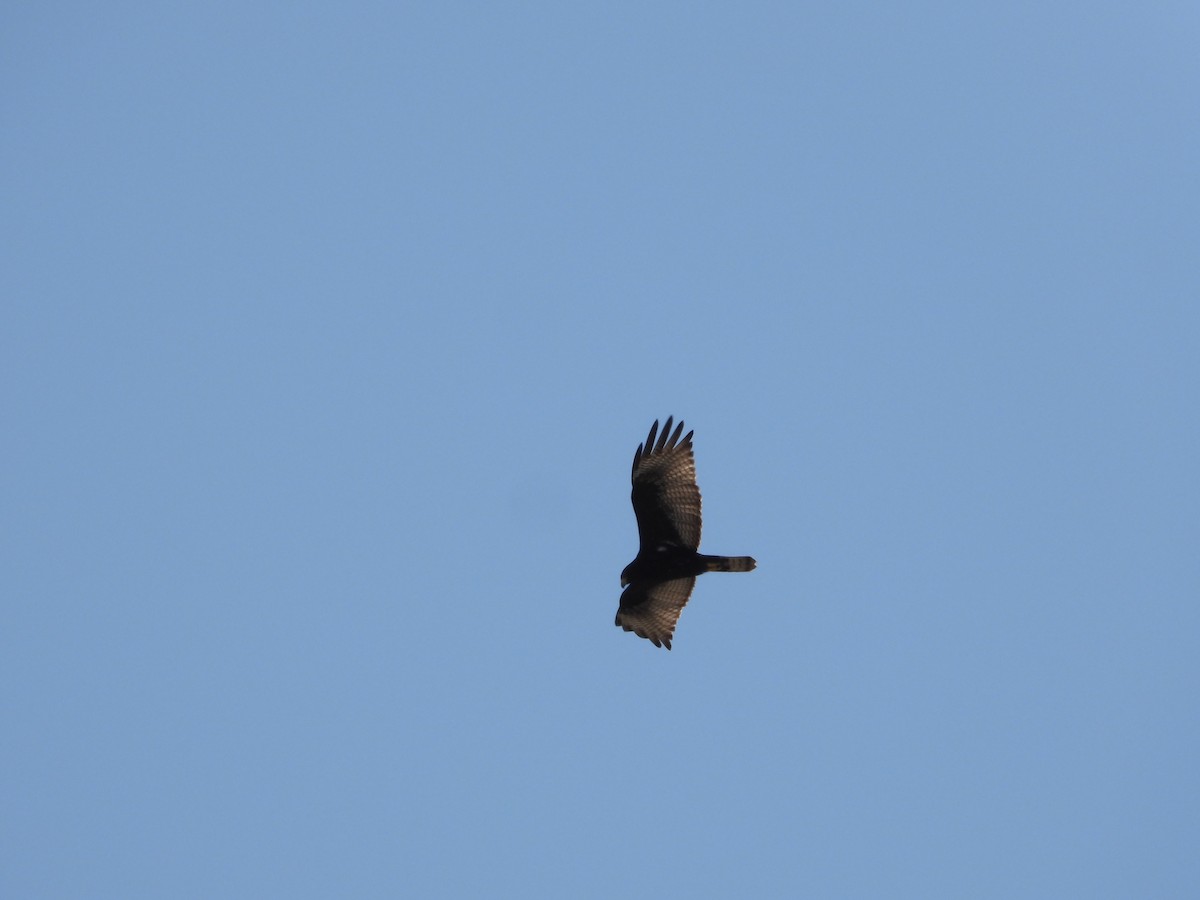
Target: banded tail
(728,563)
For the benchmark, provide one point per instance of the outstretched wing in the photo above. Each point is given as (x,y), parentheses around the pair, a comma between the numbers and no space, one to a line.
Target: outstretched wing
(651,609)
(665,497)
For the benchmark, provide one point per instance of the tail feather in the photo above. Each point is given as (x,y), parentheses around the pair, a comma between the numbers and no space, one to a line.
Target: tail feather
(729,563)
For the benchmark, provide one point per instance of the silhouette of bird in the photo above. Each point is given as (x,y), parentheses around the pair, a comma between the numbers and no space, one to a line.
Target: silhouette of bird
(666,501)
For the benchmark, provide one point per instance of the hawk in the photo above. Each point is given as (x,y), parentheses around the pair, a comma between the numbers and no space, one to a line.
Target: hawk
(666,502)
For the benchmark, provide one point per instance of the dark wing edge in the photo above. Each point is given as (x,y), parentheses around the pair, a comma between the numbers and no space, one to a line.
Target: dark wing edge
(664,443)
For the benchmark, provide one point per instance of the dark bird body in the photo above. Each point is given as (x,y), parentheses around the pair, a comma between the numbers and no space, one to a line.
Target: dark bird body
(666,502)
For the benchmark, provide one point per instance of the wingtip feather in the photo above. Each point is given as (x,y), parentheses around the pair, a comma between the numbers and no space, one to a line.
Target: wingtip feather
(666,432)
(675,437)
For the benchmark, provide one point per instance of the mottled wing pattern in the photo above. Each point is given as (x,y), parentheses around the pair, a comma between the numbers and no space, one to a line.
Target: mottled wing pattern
(665,497)
(650,610)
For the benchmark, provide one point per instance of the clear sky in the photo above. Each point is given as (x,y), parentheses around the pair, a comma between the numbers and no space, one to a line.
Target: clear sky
(328,332)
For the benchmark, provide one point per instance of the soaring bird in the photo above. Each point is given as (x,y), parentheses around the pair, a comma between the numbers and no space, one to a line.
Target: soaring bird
(666,502)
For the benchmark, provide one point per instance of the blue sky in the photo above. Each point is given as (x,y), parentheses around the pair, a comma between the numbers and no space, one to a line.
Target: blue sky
(329,333)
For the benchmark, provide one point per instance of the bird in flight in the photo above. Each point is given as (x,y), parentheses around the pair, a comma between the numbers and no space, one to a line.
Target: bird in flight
(666,502)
